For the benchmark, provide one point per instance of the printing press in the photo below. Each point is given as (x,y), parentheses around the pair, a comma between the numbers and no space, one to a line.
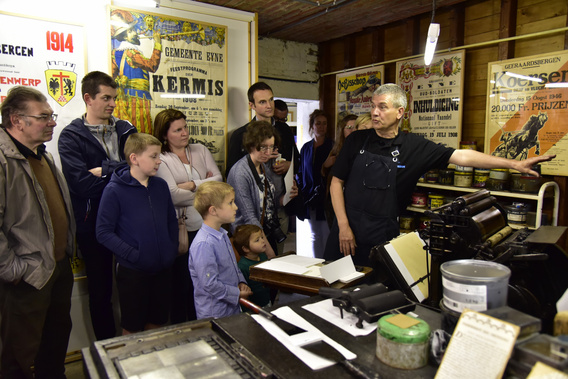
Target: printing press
(474,226)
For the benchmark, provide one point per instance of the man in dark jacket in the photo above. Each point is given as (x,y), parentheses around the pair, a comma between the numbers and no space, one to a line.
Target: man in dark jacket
(91,148)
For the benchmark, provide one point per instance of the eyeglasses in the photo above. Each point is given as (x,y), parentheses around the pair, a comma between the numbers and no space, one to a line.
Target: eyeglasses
(42,117)
(349,126)
(266,149)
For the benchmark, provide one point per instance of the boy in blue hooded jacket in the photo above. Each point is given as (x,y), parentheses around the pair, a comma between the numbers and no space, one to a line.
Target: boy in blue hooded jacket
(137,222)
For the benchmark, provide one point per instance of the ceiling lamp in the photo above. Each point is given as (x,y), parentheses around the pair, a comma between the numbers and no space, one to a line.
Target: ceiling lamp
(432,38)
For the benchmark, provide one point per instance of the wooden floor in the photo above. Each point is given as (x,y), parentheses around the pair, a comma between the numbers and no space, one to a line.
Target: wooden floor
(74,370)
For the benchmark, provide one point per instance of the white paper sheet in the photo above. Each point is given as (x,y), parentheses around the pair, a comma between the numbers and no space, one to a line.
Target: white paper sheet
(291,342)
(299,260)
(276,265)
(329,313)
(340,268)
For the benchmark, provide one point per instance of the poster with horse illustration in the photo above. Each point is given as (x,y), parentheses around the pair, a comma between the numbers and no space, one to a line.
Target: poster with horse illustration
(527,108)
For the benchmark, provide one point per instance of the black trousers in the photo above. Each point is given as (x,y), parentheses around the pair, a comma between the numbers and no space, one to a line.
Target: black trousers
(183,306)
(99,268)
(36,325)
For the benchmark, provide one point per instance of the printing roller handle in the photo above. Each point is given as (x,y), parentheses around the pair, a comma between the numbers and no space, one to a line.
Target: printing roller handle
(256,309)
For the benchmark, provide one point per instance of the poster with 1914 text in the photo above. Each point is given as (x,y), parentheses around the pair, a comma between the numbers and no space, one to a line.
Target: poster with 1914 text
(527,109)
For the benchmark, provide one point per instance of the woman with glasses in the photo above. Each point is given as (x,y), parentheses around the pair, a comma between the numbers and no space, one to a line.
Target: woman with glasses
(184,167)
(312,183)
(253,181)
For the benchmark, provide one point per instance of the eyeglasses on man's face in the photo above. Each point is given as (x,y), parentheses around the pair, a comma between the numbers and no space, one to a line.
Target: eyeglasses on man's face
(42,117)
(268,149)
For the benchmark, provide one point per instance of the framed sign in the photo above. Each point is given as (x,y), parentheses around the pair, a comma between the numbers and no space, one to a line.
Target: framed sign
(162,62)
(527,109)
(50,57)
(434,96)
(355,90)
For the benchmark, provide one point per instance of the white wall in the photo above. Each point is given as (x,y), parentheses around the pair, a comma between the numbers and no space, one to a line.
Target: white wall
(294,65)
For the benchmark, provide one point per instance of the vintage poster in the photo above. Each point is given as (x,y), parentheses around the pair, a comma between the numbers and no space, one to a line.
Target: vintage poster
(50,57)
(527,109)
(434,96)
(160,62)
(355,90)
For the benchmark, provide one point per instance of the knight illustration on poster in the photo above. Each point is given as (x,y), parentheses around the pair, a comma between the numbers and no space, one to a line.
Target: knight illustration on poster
(527,105)
(160,62)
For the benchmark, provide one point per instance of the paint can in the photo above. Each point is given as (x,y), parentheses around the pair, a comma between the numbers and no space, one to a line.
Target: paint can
(474,284)
(463,178)
(403,341)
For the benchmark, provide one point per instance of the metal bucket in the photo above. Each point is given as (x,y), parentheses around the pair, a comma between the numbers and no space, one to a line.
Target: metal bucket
(473,284)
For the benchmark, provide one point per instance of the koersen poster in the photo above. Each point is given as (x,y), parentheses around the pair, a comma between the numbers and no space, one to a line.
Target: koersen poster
(434,96)
(162,62)
(527,109)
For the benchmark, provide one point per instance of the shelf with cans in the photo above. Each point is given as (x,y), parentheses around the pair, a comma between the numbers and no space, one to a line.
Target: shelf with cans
(529,201)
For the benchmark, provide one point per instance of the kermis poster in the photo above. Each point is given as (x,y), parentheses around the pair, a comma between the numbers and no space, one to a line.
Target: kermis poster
(160,62)
(355,90)
(527,109)
(50,57)
(434,96)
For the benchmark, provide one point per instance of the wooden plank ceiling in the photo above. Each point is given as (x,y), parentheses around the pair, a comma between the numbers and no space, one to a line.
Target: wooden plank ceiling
(318,21)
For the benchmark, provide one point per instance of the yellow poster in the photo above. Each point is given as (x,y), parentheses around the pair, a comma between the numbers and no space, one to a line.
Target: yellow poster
(527,109)
(355,90)
(161,62)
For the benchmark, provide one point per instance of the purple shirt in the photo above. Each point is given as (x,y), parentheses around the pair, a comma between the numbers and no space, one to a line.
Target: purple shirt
(215,274)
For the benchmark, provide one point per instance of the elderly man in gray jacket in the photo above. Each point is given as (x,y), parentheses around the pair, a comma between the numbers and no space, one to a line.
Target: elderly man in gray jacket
(36,241)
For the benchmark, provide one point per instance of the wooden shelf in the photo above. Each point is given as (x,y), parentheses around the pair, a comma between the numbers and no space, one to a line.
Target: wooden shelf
(547,190)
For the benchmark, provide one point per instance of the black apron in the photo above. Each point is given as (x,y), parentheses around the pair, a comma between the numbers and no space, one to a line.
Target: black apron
(370,197)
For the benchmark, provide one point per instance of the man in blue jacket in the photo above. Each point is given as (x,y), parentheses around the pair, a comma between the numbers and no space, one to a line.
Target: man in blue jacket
(91,148)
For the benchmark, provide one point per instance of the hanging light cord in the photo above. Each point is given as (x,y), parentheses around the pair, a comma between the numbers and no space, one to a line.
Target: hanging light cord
(433,11)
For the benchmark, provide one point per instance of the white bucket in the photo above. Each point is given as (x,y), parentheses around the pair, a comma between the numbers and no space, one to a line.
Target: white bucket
(473,284)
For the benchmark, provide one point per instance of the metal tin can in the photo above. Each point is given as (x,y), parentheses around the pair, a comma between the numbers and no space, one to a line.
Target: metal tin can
(463,179)
(446,177)
(419,199)
(435,201)
(463,168)
(406,222)
(431,176)
(499,173)
(480,177)
(516,213)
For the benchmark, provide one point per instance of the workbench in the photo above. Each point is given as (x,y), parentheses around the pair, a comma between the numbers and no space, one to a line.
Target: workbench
(253,346)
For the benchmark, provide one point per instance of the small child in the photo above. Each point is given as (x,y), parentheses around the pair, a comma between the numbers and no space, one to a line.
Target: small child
(250,243)
(137,222)
(218,283)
